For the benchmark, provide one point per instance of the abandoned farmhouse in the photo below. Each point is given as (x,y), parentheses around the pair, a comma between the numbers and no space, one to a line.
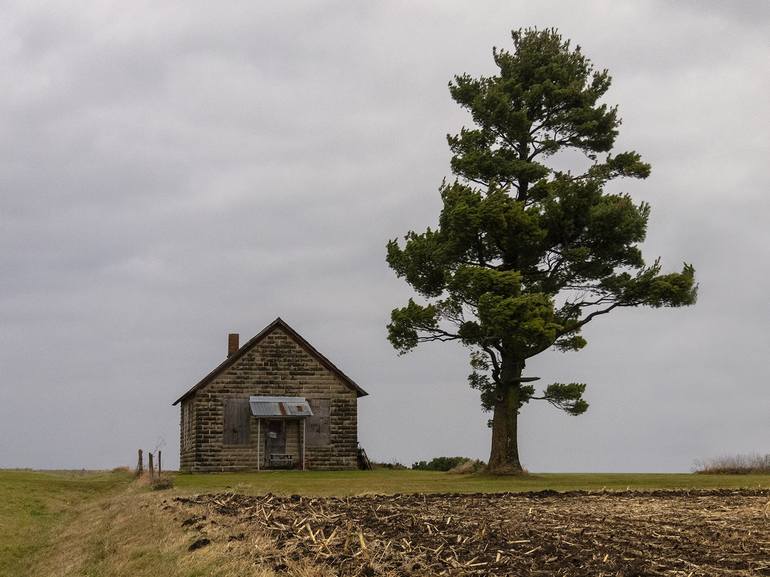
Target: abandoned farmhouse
(275,402)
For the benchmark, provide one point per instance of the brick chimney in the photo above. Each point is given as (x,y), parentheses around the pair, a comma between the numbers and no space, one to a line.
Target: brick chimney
(232,344)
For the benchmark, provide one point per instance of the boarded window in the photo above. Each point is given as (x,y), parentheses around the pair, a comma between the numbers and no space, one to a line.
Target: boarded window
(187,425)
(236,426)
(317,428)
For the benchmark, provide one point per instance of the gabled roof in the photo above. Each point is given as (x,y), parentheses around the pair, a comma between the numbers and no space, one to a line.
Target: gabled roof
(277,323)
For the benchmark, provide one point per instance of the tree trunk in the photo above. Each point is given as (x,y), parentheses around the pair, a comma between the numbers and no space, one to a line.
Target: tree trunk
(504,456)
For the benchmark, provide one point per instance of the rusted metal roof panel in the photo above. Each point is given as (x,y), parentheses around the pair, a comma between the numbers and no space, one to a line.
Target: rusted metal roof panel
(277,407)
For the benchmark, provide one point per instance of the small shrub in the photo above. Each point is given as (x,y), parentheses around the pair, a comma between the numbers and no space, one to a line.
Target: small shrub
(439,463)
(467,467)
(393,465)
(162,483)
(155,483)
(734,465)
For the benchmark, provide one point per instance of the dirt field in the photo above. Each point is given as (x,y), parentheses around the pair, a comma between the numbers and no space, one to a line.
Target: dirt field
(698,533)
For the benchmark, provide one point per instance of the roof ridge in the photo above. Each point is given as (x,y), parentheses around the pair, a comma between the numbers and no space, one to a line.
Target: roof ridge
(299,339)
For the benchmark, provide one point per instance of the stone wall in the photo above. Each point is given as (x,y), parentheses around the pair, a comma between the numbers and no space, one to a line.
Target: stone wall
(276,365)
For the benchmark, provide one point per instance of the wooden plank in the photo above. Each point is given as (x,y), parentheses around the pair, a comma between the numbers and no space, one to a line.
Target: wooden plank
(236,422)
(318,426)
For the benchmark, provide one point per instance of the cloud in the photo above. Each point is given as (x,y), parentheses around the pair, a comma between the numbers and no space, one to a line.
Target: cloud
(172,173)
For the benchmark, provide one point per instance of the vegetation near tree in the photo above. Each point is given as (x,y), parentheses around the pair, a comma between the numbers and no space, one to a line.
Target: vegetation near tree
(526,254)
(439,464)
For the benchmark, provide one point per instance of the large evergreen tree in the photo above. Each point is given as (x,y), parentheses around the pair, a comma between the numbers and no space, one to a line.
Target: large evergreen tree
(525,255)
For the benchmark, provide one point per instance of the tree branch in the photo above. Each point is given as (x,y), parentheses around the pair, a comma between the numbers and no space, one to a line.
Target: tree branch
(495,363)
(437,337)
(595,314)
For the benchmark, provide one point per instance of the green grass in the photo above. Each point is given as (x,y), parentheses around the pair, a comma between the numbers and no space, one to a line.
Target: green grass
(387,481)
(33,504)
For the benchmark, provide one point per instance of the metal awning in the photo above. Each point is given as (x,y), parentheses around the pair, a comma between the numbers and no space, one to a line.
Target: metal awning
(278,407)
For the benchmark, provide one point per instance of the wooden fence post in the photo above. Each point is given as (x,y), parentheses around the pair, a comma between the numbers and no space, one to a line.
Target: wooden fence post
(159,469)
(140,465)
(150,468)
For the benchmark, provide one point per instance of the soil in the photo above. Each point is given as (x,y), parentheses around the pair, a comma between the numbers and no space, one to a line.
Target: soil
(621,534)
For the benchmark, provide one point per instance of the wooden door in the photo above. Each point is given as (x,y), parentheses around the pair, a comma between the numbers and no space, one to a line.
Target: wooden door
(237,421)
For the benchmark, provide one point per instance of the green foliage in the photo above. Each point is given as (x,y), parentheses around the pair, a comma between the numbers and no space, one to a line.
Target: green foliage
(406,322)
(568,397)
(524,254)
(393,465)
(439,463)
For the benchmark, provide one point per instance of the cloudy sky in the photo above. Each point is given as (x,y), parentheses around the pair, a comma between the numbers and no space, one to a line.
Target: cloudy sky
(172,172)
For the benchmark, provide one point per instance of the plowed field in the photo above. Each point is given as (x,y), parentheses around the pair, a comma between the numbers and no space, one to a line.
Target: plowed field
(671,533)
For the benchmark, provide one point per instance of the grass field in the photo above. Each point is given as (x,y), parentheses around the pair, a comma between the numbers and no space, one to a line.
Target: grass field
(104,525)
(34,505)
(407,481)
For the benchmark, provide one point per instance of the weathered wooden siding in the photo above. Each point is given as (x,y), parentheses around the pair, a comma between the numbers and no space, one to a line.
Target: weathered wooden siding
(187,435)
(278,366)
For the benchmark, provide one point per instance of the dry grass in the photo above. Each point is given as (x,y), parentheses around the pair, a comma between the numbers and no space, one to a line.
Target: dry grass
(753,464)
(467,467)
(134,535)
(128,536)
(156,483)
(75,524)
(34,505)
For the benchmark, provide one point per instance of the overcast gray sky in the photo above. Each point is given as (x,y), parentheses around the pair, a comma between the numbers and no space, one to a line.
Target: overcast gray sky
(172,172)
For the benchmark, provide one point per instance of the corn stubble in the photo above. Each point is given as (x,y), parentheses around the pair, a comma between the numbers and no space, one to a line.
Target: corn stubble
(687,533)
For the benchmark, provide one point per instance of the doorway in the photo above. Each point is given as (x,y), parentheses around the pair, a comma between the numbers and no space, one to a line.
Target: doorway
(275,438)
(275,445)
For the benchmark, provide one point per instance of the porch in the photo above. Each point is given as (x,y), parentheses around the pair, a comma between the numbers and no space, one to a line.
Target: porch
(281,431)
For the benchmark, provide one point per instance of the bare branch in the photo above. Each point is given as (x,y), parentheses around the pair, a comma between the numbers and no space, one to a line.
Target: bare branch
(437,337)
(495,363)
(595,314)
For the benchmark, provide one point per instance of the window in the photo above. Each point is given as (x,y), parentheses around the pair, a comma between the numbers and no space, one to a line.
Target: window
(317,427)
(187,425)
(236,422)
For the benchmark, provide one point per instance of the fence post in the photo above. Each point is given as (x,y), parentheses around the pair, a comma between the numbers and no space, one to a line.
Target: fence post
(159,468)
(140,465)
(150,468)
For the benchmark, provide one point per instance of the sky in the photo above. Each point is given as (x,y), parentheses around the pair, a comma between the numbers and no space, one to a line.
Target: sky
(172,172)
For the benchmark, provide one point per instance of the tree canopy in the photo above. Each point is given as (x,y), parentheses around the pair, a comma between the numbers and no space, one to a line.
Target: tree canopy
(526,254)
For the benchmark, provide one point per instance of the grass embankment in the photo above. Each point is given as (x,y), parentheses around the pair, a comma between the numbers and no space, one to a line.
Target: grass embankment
(68,524)
(386,481)
(34,504)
